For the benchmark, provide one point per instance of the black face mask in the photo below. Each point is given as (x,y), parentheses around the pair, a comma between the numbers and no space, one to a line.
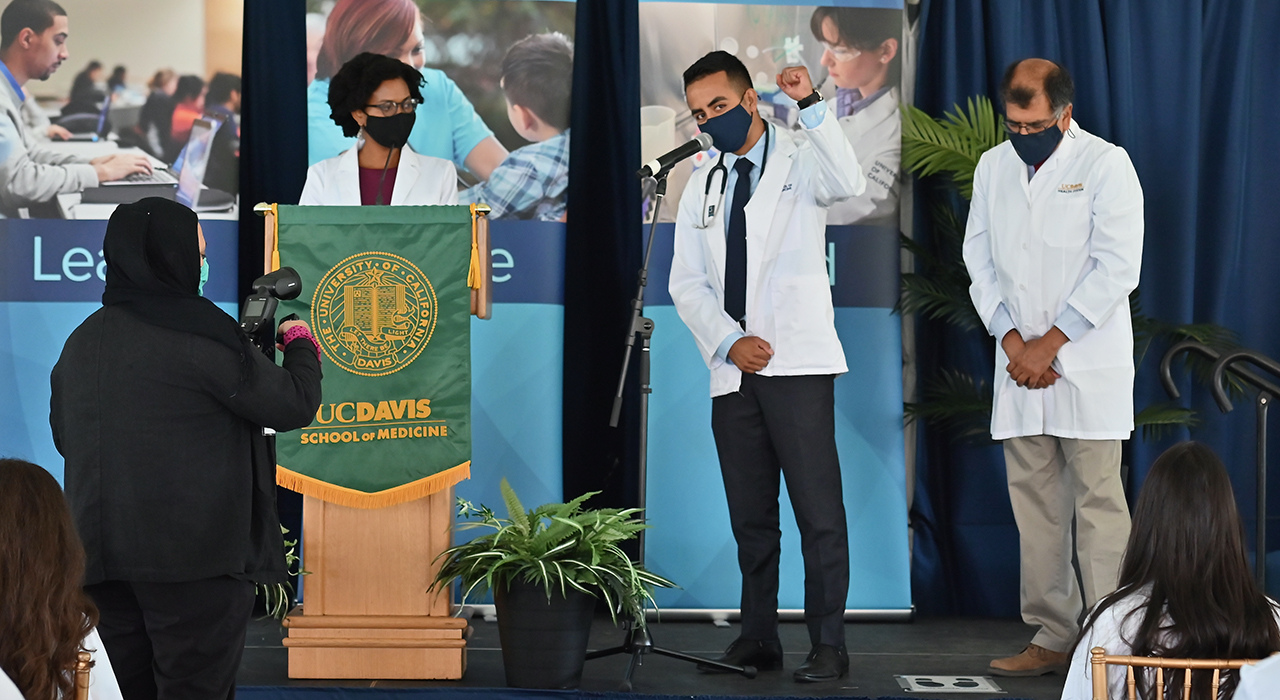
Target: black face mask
(1035,148)
(392,132)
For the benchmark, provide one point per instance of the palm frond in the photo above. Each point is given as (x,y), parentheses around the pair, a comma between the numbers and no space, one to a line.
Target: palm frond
(1158,419)
(956,402)
(951,145)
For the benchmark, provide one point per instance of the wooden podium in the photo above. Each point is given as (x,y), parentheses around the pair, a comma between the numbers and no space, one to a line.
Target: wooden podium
(367,611)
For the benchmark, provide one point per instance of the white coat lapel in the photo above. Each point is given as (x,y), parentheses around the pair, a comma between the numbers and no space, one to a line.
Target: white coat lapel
(348,178)
(762,235)
(406,176)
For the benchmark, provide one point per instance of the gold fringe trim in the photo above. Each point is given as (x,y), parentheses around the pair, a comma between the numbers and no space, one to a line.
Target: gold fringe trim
(310,486)
(275,237)
(473,274)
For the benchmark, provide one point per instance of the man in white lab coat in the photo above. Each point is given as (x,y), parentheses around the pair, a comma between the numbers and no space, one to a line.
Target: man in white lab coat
(1054,247)
(749,278)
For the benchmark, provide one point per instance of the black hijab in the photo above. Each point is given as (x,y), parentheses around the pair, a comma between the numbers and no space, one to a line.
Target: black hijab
(153,271)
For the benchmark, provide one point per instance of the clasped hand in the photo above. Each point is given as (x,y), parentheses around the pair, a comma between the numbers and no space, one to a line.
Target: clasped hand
(1029,361)
(750,353)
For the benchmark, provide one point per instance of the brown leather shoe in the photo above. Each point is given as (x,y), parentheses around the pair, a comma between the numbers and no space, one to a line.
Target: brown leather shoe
(1035,660)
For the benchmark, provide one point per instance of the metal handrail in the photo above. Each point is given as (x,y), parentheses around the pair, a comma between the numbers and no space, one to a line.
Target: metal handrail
(1166,377)
(1258,359)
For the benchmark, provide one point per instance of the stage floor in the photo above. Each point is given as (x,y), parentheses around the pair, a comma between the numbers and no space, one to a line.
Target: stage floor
(877,652)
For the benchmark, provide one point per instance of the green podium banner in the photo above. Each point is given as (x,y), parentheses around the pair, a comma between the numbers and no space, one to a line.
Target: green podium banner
(386,292)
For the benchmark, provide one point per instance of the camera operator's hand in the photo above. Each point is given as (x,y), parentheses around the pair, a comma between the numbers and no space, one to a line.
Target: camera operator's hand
(286,325)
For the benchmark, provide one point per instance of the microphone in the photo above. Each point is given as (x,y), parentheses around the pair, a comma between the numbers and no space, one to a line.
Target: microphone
(664,162)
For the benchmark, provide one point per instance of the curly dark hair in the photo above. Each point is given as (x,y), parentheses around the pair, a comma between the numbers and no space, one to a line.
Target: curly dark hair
(44,612)
(358,78)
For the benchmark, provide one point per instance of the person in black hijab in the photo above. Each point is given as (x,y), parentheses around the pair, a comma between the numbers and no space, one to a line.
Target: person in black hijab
(159,404)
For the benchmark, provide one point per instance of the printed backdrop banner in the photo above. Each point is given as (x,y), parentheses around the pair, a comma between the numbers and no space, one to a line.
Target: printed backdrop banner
(391,308)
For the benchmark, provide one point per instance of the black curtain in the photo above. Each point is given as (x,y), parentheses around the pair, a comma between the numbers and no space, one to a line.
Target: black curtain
(273,142)
(602,250)
(1187,89)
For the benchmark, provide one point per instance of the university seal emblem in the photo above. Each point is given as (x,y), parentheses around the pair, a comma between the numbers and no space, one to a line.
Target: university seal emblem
(373,313)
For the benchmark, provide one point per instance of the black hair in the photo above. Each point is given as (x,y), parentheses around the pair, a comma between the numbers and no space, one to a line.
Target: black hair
(864,29)
(719,62)
(350,88)
(1187,545)
(36,15)
(189,87)
(1058,87)
(220,88)
(537,74)
(117,77)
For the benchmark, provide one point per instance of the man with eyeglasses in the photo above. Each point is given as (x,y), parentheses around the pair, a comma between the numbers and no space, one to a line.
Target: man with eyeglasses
(1054,247)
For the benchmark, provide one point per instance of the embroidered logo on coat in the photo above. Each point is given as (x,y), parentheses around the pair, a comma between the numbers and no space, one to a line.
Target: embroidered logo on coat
(1069,188)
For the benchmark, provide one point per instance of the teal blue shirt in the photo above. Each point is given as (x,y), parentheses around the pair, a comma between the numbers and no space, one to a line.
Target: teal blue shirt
(447,125)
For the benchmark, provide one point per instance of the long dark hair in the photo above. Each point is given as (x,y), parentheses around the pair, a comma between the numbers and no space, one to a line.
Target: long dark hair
(44,612)
(1187,544)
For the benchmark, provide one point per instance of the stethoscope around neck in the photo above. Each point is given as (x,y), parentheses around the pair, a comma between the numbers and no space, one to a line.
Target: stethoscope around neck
(708,209)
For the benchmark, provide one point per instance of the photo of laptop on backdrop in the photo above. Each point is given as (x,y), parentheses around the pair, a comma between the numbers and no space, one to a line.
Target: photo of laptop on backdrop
(187,187)
(99,132)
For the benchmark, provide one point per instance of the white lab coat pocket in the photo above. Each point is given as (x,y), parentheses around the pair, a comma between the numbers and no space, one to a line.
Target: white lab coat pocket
(803,316)
(1066,220)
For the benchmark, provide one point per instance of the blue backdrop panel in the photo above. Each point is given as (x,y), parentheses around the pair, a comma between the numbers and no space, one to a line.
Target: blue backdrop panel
(517,370)
(51,279)
(691,542)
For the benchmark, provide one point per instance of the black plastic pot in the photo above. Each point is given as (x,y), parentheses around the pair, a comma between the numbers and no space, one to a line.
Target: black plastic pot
(544,642)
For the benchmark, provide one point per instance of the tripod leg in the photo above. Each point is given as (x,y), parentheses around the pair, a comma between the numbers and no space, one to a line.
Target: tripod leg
(747,671)
(606,652)
(631,669)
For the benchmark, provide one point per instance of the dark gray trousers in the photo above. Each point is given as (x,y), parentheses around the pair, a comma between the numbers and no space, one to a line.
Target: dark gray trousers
(785,427)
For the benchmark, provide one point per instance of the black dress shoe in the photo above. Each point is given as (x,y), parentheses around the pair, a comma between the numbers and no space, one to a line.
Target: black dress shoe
(765,656)
(825,663)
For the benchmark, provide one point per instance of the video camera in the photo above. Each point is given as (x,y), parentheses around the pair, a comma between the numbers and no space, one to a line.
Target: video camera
(257,319)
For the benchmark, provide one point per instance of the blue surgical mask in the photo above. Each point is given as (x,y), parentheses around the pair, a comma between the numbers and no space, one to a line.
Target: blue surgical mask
(729,130)
(204,276)
(1035,148)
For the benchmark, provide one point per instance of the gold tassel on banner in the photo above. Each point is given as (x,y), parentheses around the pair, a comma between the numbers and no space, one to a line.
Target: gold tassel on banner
(474,274)
(275,237)
(310,486)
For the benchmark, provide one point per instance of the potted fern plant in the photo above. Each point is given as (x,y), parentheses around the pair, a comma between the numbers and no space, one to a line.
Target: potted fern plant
(546,568)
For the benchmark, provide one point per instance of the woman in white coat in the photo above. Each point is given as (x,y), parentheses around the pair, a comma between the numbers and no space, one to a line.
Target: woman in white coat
(46,619)
(377,97)
(861,57)
(1186,589)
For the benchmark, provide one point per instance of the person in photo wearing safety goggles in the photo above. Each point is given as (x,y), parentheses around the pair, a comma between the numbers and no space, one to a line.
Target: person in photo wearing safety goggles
(860,53)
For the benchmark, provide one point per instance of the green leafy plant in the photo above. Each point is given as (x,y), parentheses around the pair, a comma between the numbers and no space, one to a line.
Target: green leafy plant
(558,546)
(954,400)
(277,598)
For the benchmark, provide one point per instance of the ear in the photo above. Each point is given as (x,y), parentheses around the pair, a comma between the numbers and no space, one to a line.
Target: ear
(1064,122)
(360,117)
(888,49)
(27,37)
(750,99)
(528,121)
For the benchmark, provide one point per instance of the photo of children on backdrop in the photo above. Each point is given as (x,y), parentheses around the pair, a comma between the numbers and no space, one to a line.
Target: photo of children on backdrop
(495,101)
(851,52)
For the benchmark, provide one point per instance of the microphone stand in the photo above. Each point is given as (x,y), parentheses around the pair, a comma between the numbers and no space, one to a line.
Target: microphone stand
(637,641)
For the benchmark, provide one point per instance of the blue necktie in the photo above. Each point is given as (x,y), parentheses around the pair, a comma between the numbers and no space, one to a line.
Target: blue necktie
(735,257)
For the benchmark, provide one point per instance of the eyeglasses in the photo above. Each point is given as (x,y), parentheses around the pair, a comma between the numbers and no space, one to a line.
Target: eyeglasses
(1030,127)
(843,54)
(390,109)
